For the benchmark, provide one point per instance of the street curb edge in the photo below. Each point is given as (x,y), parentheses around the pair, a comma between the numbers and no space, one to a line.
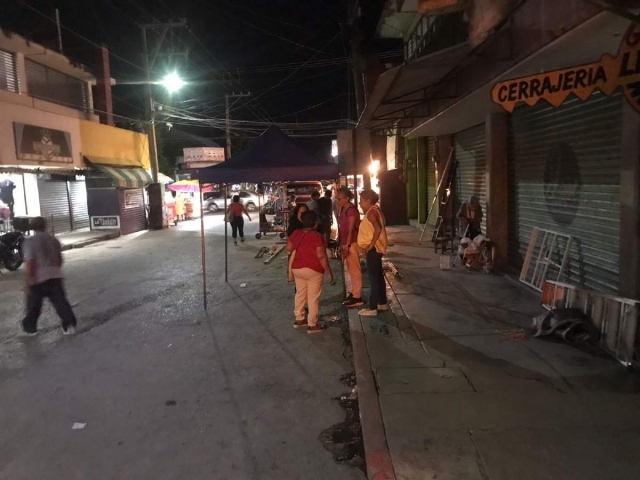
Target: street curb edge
(86,243)
(377,455)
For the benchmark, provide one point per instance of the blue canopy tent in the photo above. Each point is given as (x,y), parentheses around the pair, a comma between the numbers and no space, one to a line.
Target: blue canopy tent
(272,157)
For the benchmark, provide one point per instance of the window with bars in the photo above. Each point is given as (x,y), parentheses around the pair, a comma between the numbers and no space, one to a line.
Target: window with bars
(57,87)
(8,72)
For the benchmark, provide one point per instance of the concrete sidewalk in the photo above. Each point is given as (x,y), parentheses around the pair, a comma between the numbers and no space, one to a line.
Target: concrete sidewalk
(86,238)
(464,393)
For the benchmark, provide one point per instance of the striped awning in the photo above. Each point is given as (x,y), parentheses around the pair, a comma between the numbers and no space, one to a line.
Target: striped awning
(129,177)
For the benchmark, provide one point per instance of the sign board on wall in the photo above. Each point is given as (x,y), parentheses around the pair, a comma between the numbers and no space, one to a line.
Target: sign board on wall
(107,222)
(203,156)
(607,75)
(42,144)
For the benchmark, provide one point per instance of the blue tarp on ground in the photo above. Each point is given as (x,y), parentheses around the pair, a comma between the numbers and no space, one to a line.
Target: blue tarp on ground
(272,157)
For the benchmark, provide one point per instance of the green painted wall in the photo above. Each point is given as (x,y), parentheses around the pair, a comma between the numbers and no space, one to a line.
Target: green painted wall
(422,179)
(411,177)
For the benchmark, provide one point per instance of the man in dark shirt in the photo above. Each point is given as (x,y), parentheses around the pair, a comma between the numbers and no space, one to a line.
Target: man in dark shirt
(326,215)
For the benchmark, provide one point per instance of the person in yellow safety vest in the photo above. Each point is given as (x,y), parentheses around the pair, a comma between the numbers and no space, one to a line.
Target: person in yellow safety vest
(372,239)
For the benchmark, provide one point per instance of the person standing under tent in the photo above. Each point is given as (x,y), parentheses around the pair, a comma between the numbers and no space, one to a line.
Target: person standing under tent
(308,264)
(348,223)
(372,239)
(326,214)
(234,217)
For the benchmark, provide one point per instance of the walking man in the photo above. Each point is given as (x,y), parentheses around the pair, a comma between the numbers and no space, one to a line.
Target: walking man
(43,278)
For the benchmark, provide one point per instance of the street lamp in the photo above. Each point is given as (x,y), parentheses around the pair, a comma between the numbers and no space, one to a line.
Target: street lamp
(172,82)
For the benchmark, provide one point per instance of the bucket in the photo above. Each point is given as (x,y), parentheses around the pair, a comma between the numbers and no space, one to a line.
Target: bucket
(445,262)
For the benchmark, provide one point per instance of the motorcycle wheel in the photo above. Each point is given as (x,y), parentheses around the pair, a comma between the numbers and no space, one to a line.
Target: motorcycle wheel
(13,261)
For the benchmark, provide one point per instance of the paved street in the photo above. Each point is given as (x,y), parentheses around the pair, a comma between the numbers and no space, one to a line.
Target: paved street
(165,391)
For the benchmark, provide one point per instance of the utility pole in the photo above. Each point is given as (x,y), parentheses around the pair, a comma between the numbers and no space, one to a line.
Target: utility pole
(59,31)
(148,67)
(227,117)
(156,191)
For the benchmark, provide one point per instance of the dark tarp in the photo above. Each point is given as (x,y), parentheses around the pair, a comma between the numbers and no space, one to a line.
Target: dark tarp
(272,157)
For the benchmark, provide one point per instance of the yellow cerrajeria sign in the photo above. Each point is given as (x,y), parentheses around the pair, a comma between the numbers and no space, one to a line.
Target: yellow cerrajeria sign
(607,75)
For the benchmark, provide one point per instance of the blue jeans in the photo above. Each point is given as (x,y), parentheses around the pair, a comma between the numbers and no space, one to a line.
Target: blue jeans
(378,294)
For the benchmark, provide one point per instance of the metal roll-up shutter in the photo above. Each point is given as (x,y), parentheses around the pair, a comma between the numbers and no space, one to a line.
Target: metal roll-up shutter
(133,216)
(79,208)
(564,175)
(431,179)
(471,181)
(54,205)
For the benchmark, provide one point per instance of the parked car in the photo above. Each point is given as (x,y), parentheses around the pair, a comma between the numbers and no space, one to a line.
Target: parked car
(249,199)
(302,190)
(213,201)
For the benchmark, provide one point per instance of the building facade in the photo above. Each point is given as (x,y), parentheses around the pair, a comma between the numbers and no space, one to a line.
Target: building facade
(49,128)
(537,103)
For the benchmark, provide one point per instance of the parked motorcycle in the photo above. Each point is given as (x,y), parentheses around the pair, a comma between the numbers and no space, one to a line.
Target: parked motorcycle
(11,250)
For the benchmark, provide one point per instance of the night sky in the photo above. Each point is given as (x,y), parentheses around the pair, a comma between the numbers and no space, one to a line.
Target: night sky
(291,55)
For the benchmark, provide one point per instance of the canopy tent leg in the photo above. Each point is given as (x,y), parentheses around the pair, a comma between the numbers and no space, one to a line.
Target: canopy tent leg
(226,233)
(204,252)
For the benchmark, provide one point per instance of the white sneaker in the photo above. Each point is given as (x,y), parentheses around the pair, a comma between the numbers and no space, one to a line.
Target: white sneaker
(70,330)
(367,312)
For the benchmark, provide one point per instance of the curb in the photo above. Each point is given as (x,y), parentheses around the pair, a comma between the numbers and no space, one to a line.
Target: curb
(91,241)
(377,455)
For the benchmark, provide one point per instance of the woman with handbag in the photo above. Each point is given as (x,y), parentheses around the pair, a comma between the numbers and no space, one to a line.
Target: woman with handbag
(307,265)
(234,217)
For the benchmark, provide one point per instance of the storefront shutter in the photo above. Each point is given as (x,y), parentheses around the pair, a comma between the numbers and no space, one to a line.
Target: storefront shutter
(431,179)
(79,209)
(564,175)
(133,216)
(54,205)
(470,181)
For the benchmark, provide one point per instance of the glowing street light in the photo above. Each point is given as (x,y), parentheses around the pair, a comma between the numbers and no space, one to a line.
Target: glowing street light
(172,82)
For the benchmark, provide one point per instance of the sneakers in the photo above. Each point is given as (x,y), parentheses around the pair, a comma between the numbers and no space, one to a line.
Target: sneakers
(353,302)
(384,307)
(315,329)
(367,312)
(70,330)
(29,334)
(235,242)
(242,239)
(347,298)
(300,323)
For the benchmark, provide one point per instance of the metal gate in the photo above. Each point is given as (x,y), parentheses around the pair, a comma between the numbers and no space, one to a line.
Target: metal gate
(471,181)
(132,208)
(564,175)
(79,208)
(54,204)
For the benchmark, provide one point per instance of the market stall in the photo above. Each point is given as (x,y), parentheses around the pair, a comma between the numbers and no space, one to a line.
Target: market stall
(272,157)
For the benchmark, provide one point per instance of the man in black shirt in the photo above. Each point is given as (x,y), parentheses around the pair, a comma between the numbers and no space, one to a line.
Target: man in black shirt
(326,215)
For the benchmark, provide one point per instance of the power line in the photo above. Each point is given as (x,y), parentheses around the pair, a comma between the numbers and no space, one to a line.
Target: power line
(77,34)
(294,72)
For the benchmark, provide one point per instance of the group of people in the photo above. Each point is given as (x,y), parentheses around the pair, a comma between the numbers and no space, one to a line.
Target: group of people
(309,233)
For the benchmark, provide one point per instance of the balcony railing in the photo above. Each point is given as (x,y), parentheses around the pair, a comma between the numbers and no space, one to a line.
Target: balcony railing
(435,33)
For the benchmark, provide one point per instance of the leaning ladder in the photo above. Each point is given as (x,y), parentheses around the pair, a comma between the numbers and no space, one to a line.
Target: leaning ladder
(447,174)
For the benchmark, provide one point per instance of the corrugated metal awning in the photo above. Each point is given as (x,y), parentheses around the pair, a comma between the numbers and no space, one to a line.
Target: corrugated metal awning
(125,177)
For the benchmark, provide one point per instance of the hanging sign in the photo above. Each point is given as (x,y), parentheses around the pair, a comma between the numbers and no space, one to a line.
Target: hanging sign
(607,75)
(42,144)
